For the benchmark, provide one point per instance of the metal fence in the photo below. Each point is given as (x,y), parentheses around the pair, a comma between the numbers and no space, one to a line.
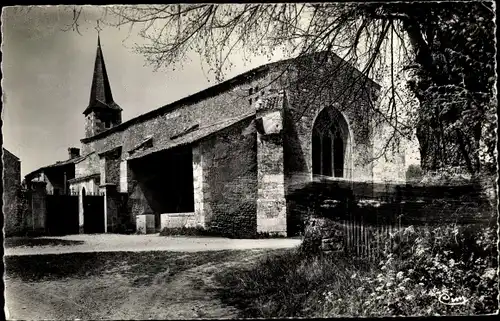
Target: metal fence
(368,240)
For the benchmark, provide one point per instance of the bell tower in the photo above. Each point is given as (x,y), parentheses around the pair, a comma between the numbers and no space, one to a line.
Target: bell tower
(102,113)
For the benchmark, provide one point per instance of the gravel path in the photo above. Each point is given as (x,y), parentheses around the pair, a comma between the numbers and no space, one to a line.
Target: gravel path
(152,242)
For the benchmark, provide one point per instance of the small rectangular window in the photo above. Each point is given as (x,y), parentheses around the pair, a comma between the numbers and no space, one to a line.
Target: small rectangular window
(250,91)
(250,101)
(256,89)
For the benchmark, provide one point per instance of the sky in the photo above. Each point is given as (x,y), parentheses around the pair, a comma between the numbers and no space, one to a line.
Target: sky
(47,73)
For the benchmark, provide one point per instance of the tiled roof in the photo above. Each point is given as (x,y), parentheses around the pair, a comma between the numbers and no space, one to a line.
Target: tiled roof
(84,178)
(212,91)
(57,164)
(191,136)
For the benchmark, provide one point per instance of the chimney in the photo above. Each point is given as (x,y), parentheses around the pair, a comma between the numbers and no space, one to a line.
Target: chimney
(73,152)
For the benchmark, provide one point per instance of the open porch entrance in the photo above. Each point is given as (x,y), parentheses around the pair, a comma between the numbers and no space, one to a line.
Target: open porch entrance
(163,183)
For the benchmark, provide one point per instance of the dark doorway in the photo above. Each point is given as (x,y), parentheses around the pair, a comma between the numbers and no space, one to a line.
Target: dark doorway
(62,214)
(93,213)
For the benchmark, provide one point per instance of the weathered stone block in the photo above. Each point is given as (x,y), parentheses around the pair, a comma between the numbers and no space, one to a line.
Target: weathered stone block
(145,223)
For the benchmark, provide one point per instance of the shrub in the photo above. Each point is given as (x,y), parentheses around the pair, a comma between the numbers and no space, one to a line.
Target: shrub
(414,173)
(435,271)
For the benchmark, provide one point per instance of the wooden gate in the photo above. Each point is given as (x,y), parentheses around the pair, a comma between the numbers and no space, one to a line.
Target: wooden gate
(93,214)
(62,214)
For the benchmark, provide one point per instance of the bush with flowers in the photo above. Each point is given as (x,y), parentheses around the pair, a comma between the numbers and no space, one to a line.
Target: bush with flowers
(448,270)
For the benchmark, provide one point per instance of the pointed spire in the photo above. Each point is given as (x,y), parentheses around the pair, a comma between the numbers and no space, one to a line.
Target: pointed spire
(100,92)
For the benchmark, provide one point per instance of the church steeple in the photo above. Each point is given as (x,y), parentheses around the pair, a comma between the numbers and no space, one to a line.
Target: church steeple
(102,112)
(100,92)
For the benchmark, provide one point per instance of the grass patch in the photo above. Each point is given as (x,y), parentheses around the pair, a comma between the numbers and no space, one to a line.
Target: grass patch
(139,267)
(287,284)
(13,242)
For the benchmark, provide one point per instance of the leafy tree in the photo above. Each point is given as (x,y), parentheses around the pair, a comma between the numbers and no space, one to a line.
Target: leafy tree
(447,49)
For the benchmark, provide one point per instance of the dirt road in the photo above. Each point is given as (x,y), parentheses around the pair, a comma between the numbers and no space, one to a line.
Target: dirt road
(184,295)
(151,242)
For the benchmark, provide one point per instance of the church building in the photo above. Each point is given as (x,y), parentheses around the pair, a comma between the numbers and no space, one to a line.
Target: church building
(226,158)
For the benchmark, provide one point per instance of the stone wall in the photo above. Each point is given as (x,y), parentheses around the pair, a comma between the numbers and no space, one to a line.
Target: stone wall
(230,180)
(305,100)
(234,98)
(178,220)
(95,122)
(88,166)
(199,218)
(271,204)
(13,222)
(300,115)
(112,167)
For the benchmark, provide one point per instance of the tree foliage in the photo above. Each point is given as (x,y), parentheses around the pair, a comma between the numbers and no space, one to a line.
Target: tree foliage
(447,48)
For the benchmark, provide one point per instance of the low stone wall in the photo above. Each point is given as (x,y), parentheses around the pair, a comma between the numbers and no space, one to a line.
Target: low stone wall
(333,216)
(177,220)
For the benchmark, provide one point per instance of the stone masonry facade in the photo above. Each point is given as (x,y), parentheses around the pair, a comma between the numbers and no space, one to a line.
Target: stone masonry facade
(240,149)
(13,223)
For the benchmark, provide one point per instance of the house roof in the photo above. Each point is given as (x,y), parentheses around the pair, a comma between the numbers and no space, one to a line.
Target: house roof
(56,165)
(84,178)
(81,158)
(190,136)
(100,92)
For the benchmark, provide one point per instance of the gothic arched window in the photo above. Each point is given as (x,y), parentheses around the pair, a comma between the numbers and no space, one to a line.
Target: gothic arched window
(329,144)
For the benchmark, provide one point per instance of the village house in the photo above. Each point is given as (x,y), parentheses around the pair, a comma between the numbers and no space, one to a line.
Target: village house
(11,176)
(223,159)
